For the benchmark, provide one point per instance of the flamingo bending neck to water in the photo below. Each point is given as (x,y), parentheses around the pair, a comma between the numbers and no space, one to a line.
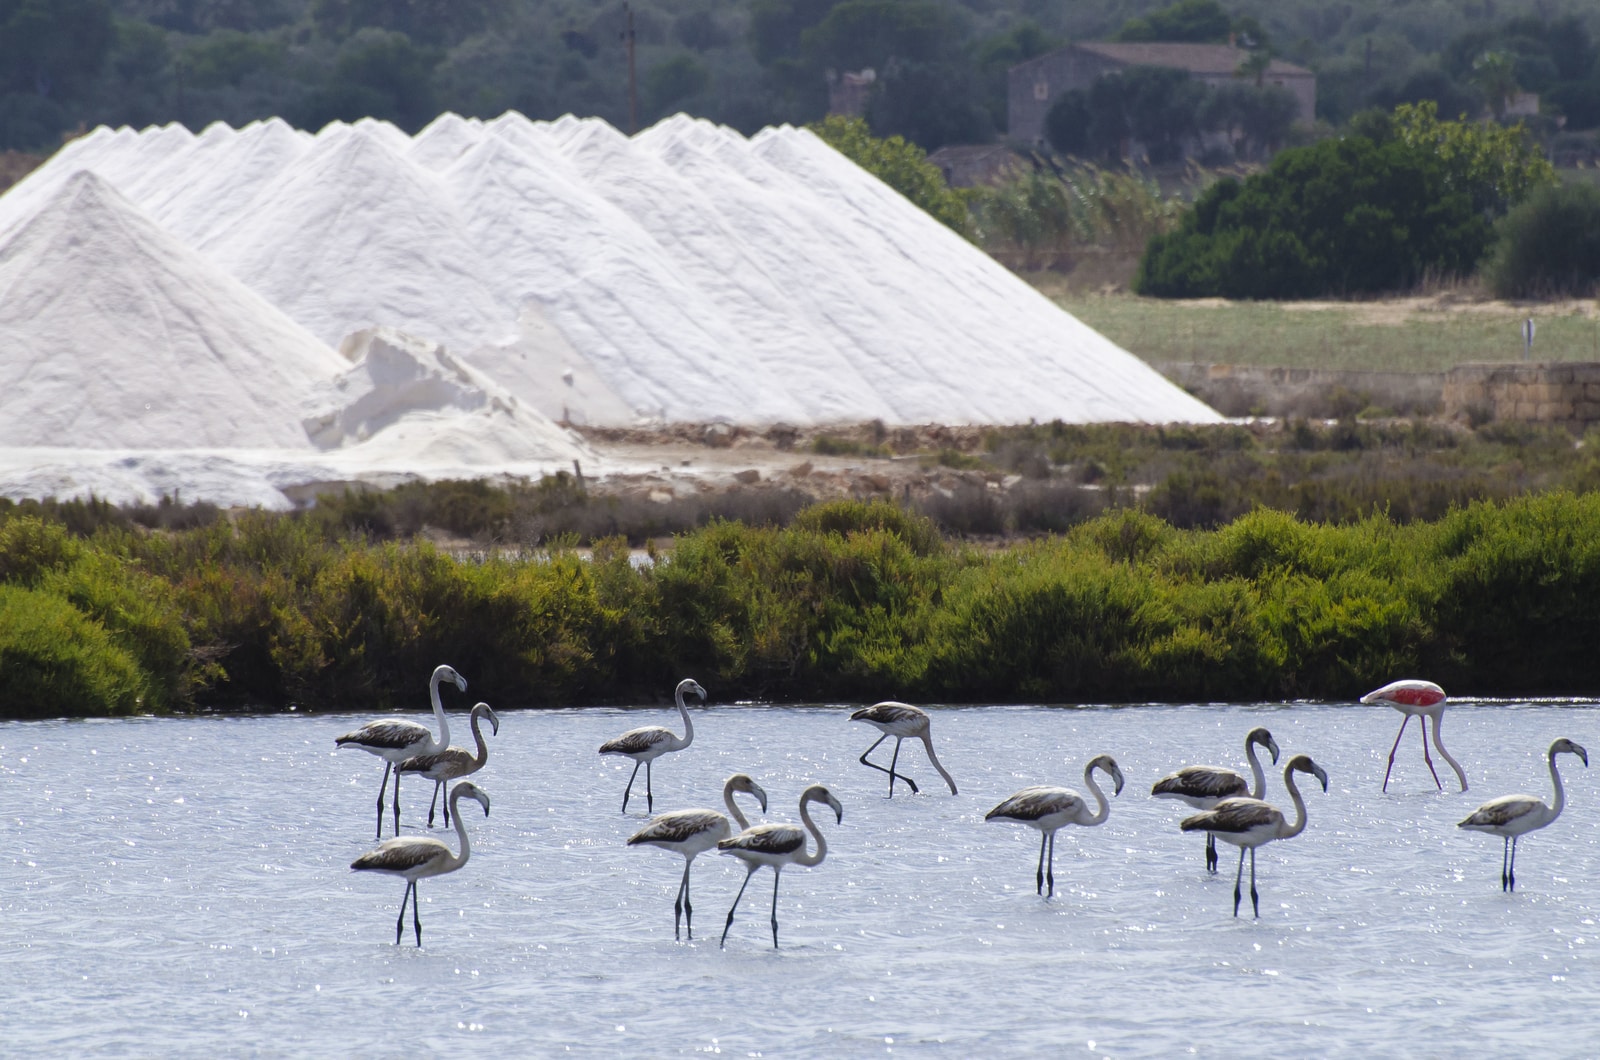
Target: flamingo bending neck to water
(779,845)
(1511,816)
(647,744)
(1204,786)
(900,720)
(693,832)
(1417,699)
(1250,823)
(1050,809)
(414,857)
(394,740)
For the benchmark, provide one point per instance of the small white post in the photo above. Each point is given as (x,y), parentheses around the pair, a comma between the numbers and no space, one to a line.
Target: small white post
(1527,339)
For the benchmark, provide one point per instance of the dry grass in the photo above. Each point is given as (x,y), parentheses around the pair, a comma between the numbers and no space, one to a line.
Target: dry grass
(1419,334)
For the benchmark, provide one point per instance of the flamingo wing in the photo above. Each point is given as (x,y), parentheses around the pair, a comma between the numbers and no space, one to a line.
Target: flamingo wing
(772,839)
(636,741)
(1030,804)
(386,735)
(677,826)
(448,764)
(1234,817)
(401,855)
(890,713)
(1498,813)
(1202,782)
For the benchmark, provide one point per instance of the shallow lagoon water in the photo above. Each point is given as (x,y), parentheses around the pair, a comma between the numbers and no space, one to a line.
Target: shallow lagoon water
(181,886)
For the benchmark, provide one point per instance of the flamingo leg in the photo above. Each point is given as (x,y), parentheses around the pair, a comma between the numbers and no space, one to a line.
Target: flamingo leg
(432,805)
(1039,876)
(387,765)
(683,896)
(1423,721)
(688,910)
(397,803)
(777,875)
(1211,852)
(751,871)
(416,912)
(890,771)
(1511,873)
(1238,881)
(1392,750)
(1050,871)
(894,760)
(1505,859)
(649,795)
(1255,899)
(400,923)
(629,790)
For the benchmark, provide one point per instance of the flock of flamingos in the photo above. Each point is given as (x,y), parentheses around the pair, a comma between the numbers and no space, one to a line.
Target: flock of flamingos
(1230,809)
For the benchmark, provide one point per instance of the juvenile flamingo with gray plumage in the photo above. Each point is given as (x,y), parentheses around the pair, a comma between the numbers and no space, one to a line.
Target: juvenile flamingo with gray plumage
(453,763)
(416,857)
(649,743)
(1511,816)
(394,740)
(1050,809)
(778,845)
(693,832)
(900,720)
(1250,823)
(1204,786)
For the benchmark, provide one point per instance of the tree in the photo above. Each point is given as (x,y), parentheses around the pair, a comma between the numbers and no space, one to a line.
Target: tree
(1198,21)
(1497,167)
(1339,217)
(445,21)
(861,33)
(901,165)
(674,80)
(1549,246)
(1495,75)
(378,74)
(53,47)
(1255,120)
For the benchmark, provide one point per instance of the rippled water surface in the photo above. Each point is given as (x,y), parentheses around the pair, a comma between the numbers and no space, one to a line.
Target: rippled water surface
(181,885)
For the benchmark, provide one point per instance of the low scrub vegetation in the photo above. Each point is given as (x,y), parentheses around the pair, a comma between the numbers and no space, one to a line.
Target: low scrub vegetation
(850,600)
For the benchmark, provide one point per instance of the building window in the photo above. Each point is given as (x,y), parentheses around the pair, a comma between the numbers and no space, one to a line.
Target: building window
(1041,90)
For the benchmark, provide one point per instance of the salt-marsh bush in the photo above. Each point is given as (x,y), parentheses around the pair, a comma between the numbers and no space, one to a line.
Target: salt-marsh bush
(851,600)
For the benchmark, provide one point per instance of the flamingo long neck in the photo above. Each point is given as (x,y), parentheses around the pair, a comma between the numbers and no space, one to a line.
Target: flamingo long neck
(1561,793)
(438,709)
(483,748)
(688,725)
(1258,775)
(461,830)
(822,844)
(1099,797)
(927,742)
(1299,808)
(1438,744)
(733,807)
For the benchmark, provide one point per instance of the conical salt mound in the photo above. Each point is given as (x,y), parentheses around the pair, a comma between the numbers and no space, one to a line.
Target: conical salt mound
(117,335)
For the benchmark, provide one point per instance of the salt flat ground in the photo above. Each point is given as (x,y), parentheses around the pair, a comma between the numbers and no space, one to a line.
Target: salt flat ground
(179,886)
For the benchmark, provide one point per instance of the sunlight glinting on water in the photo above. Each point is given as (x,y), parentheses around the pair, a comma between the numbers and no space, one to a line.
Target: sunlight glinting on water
(182,885)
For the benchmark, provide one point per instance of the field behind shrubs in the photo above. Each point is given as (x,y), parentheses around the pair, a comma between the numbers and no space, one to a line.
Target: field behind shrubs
(850,601)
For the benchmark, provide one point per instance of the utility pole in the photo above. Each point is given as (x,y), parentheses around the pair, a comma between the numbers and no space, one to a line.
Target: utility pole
(633,74)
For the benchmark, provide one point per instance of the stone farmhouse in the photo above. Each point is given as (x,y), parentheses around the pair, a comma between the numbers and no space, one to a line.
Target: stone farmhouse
(1036,84)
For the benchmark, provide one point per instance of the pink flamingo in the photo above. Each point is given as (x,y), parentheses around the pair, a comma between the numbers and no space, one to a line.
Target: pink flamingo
(1420,699)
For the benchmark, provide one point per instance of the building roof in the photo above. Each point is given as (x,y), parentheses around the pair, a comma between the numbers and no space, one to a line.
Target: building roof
(1195,58)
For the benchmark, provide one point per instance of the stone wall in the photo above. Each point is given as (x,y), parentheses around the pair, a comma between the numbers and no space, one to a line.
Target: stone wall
(1567,394)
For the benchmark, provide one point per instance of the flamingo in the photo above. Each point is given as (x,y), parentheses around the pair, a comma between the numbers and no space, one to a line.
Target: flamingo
(651,742)
(1204,786)
(778,845)
(1050,809)
(692,832)
(1422,699)
(900,720)
(1510,816)
(414,857)
(453,763)
(394,740)
(1248,823)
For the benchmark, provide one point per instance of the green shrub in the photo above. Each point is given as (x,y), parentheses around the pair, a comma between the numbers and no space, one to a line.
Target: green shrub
(58,662)
(1549,246)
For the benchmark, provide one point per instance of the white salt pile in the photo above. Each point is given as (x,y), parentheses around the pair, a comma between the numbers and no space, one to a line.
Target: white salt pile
(684,274)
(118,335)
